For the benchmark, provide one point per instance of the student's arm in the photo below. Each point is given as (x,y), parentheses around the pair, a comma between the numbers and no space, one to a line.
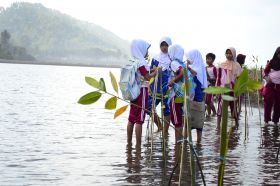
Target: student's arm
(265,74)
(146,74)
(180,74)
(193,72)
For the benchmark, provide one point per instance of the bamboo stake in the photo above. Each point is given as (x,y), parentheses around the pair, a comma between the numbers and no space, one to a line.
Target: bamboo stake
(163,128)
(223,142)
(152,114)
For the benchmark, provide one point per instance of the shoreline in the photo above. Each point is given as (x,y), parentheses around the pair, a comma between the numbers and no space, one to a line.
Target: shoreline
(56,63)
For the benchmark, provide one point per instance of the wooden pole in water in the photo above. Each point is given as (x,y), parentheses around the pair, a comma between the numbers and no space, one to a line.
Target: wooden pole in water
(223,142)
(186,124)
(152,114)
(163,129)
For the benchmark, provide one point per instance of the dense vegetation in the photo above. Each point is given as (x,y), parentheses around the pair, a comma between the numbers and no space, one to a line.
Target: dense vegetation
(8,51)
(49,35)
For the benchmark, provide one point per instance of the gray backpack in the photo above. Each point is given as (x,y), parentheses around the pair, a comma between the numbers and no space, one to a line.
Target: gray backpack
(129,83)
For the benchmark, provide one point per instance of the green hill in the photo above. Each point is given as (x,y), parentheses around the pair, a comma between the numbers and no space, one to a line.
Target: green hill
(49,35)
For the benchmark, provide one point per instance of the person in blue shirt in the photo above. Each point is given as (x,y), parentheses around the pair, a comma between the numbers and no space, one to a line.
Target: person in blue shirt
(162,61)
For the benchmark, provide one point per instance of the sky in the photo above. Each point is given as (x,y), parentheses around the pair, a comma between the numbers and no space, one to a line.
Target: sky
(250,26)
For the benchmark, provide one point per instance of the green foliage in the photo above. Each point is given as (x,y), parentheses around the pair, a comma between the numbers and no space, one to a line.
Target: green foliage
(241,82)
(90,98)
(92,82)
(111,103)
(8,51)
(253,85)
(217,90)
(102,85)
(228,98)
(114,82)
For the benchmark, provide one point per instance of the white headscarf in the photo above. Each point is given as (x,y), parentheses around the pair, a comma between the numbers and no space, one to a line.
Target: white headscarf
(176,52)
(139,48)
(165,39)
(163,58)
(197,64)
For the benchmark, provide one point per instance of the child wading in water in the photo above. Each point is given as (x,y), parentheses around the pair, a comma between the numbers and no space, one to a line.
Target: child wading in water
(211,71)
(162,60)
(139,51)
(176,54)
(228,72)
(271,90)
(196,62)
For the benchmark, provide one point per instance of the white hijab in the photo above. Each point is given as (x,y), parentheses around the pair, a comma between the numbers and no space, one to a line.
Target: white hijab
(197,64)
(139,48)
(163,58)
(176,52)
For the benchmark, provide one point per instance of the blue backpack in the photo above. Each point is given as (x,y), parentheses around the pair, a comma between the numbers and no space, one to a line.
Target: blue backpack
(179,92)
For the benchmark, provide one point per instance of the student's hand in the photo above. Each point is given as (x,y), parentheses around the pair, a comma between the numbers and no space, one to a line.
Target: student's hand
(155,71)
(171,83)
(268,80)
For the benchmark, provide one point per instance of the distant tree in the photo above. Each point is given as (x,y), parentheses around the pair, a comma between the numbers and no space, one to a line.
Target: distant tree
(5,37)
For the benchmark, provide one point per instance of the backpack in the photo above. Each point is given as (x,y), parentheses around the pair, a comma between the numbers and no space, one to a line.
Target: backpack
(177,87)
(129,84)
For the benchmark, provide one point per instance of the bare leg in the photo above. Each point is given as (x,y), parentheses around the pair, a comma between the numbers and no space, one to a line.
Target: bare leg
(178,133)
(138,131)
(212,107)
(157,121)
(166,123)
(130,127)
(208,110)
(199,136)
(218,121)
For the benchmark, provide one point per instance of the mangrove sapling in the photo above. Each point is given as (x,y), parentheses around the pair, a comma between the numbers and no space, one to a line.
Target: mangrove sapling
(111,104)
(256,61)
(242,84)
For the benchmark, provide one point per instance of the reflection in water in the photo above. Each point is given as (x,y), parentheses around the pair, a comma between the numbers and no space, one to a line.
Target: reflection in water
(133,164)
(270,166)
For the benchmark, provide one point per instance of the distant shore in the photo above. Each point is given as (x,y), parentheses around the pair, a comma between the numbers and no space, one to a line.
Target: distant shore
(57,63)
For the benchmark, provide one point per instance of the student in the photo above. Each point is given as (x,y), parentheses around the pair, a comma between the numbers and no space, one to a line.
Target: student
(176,54)
(211,71)
(272,89)
(196,62)
(139,51)
(241,59)
(163,61)
(228,72)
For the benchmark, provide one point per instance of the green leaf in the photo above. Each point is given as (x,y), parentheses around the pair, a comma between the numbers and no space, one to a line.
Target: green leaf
(90,98)
(114,82)
(228,98)
(111,103)
(241,82)
(120,111)
(92,82)
(102,85)
(253,85)
(217,90)
(179,100)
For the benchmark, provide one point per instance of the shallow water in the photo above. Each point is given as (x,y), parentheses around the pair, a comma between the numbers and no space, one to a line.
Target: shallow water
(46,138)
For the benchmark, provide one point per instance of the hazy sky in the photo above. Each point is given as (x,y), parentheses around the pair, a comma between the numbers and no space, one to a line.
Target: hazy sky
(251,26)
